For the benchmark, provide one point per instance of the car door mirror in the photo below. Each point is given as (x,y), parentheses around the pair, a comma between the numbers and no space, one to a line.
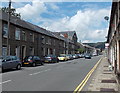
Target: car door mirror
(8,59)
(4,60)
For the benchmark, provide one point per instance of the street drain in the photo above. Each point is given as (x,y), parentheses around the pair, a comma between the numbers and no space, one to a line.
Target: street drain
(108,81)
(106,70)
(107,73)
(107,90)
(105,66)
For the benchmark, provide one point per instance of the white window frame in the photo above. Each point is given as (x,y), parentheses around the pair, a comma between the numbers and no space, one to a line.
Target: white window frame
(5,29)
(25,36)
(4,50)
(31,52)
(43,40)
(17,51)
(32,35)
(17,34)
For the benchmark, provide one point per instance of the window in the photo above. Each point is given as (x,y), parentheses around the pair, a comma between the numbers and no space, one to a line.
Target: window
(31,37)
(48,51)
(54,51)
(4,50)
(54,42)
(44,51)
(43,39)
(23,35)
(5,30)
(17,51)
(49,41)
(31,51)
(64,44)
(17,34)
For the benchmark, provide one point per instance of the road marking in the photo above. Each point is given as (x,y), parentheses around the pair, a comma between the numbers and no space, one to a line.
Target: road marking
(5,82)
(82,84)
(40,72)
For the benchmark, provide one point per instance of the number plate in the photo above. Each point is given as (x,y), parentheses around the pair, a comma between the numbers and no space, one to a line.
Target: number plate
(26,63)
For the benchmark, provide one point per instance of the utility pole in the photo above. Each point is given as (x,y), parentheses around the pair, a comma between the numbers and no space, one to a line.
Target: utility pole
(9,14)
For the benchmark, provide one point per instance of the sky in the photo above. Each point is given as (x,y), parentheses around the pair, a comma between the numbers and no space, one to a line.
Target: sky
(86,18)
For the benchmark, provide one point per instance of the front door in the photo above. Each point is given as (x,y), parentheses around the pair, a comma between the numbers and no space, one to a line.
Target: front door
(23,52)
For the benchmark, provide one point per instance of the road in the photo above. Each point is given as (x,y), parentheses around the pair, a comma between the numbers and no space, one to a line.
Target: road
(62,76)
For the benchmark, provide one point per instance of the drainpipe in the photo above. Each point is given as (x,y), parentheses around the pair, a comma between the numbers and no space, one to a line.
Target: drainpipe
(9,12)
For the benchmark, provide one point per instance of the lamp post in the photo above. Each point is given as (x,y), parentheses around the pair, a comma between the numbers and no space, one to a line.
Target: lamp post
(9,14)
(106,44)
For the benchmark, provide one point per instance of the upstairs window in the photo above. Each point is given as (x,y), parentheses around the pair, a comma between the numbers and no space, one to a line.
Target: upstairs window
(31,37)
(49,41)
(5,30)
(43,39)
(31,51)
(23,35)
(17,34)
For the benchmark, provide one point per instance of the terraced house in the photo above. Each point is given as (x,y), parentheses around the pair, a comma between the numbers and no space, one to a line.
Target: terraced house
(28,39)
(114,38)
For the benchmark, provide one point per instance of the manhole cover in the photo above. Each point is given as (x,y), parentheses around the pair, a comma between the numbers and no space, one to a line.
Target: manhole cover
(108,81)
(107,90)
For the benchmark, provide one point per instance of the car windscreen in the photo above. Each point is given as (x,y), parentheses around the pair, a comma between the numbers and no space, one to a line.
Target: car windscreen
(28,57)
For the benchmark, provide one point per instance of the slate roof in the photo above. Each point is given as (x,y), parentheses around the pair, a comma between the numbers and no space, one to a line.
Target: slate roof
(69,33)
(30,26)
(24,24)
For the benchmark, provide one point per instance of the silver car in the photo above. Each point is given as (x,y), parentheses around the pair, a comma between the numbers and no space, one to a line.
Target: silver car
(9,62)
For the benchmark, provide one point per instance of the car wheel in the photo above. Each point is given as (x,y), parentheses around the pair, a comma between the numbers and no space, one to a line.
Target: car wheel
(42,63)
(18,67)
(33,64)
(2,70)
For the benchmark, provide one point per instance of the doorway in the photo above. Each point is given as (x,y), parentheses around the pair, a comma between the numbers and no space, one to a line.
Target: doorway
(23,51)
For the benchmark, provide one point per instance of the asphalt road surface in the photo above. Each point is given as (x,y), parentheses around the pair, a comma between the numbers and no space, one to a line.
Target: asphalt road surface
(62,76)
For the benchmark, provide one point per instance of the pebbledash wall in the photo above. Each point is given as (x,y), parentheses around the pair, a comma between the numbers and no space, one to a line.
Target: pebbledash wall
(0,38)
(114,38)
(28,39)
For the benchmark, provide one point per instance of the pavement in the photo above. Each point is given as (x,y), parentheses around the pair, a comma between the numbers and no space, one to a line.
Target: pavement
(102,79)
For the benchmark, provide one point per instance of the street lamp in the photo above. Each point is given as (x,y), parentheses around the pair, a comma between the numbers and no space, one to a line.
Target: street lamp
(106,18)
(106,44)
(9,14)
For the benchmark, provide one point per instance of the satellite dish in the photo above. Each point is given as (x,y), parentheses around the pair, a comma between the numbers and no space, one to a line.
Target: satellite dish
(106,18)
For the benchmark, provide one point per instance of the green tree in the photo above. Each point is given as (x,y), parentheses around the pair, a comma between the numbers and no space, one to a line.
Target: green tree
(81,50)
(12,11)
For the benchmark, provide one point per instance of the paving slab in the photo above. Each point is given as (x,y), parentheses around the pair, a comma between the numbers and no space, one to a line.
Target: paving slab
(102,79)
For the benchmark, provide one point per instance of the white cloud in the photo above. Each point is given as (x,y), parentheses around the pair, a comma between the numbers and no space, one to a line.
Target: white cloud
(89,24)
(32,11)
(53,6)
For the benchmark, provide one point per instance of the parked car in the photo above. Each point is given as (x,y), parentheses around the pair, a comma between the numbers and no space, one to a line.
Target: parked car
(63,57)
(51,58)
(75,56)
(87,56)
(79,55)
(10,62)
(32,61)
(70,56)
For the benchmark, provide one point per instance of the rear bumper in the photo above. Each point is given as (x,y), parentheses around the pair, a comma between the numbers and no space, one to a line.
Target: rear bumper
(26,64)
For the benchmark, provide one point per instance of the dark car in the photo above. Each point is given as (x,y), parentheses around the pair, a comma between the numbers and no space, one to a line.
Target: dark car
(9,62)
(32,61)
(87,56)
(51,58)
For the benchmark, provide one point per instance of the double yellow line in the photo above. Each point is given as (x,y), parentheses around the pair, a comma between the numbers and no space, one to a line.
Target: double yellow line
(82,84)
